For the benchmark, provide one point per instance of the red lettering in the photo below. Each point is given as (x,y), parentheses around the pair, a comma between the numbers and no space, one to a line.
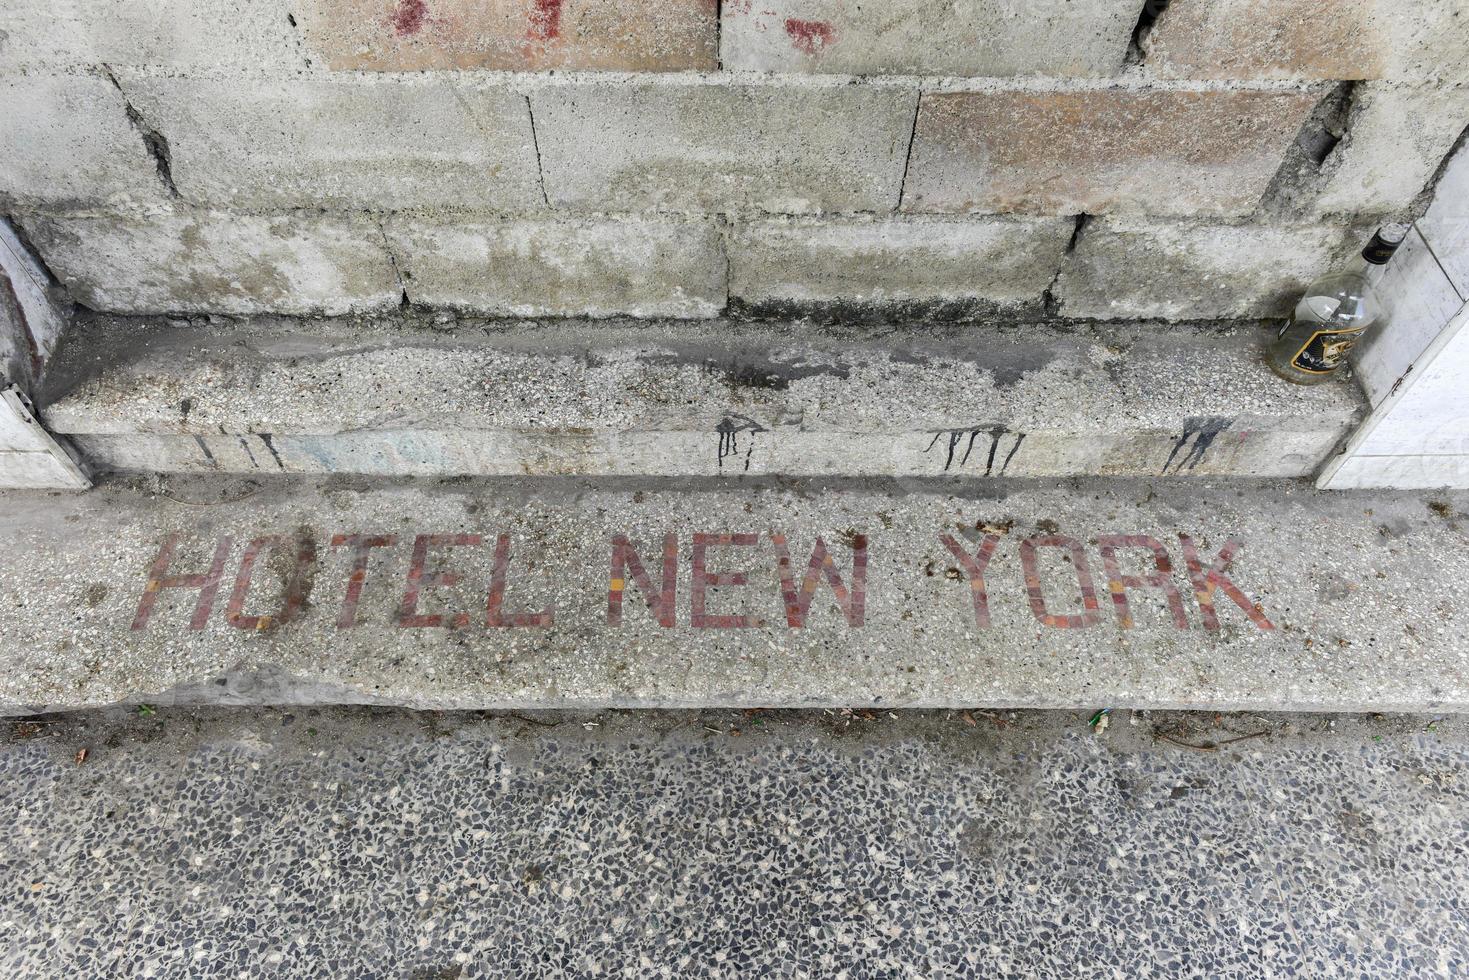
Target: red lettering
(305,557)
(1205,583)
(159,579)
(974,571)
(624,562)
(798,602)
(545,20)
(1033,588)
(704,580)
(1118,584)
(361,546)
(418,581)
(809,36)
(408,17)
(494,617)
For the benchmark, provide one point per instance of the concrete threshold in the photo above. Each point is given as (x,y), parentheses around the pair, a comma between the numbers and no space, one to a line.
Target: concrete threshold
(566,593)
(376,843)
(681,398)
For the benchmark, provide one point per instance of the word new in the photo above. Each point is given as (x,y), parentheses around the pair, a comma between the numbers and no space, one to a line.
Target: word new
(629,570)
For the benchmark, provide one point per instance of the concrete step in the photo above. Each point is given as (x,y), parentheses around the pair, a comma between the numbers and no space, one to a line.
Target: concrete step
(514,593)
(703,399)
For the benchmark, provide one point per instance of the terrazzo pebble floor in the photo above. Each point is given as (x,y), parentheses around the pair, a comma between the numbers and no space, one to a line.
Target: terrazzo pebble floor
(369,843)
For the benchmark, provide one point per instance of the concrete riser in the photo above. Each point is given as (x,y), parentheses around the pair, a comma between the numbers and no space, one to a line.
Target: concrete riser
(979,452)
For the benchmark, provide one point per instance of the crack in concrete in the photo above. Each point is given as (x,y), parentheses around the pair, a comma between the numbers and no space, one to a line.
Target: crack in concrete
(722,223)
(535,141)
(719,35)
(382,230)
(1049,304)
(153,141)
(1334,122)
(1146,18)
(1315,152)
(908,157)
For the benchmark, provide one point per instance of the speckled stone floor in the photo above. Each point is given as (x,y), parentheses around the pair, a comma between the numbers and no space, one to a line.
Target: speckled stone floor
(732,844)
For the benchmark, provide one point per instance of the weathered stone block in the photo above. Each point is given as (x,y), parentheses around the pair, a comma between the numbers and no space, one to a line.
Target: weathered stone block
(212,261)
(411,35)
(1330,39)
(344,142)
(161,33)
(1398,138)
(997,261)
(551,268)
(717,147)
(1179,270)
(987,37)
(1127,150)
(68,138)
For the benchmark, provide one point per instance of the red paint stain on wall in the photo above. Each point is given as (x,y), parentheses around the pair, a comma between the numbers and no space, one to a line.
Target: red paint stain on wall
(545,20)
(810,36)
(408,17)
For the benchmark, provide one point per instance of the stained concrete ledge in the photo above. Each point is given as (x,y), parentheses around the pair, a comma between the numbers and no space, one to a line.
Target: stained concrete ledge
(680,398)
(518,593)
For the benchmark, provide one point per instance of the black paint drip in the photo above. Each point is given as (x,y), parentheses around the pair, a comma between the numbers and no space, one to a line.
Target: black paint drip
(954,436)
(1203,430)
(995,433)
(729,429)
(1019,438)
(265,438)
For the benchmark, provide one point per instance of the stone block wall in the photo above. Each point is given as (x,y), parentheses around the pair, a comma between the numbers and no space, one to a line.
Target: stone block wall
(1105,159)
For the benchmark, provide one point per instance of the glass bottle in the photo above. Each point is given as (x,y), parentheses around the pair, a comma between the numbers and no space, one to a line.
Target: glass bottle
(1334,313)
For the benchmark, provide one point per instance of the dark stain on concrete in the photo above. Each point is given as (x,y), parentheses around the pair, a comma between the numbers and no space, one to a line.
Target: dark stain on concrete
(956,437)
(729,429)
(1203,430)
(295,569)
(752,371)
(266,439)
(204,448)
